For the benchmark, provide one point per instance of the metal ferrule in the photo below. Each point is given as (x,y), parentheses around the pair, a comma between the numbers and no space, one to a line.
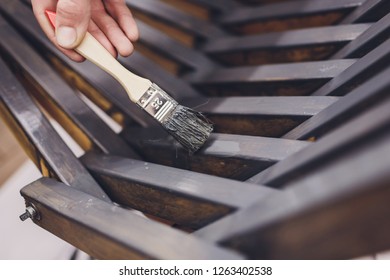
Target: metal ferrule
(157,103)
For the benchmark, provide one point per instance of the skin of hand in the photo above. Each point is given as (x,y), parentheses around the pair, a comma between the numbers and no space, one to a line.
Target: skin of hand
(109,21)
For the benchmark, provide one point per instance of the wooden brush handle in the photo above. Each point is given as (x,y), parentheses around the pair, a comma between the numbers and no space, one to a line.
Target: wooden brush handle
(91,49)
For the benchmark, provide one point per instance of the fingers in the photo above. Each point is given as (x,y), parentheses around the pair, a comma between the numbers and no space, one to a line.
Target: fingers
(111,28)
(109,21)
(39,8)
(122,15)
(101,37)
(73,17)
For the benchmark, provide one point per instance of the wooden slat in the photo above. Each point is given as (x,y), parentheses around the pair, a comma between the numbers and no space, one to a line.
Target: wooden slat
(371,38)
(253,49)
(223,111)
(343,139)
(241,115)
(296,106)
(39,140)
(190,8)
(106,231)
(261,116)
(278,79)
(187,198)
(364,68)
(58,98)
(222,106)
(288,46)
(217,6)
(369,11)
(290,15)
(294,45)
(228,118)
(223,118)
(177,88)
(178,24)
(187,59)
(321,216)
(353,104)
(232,156)
(250,50)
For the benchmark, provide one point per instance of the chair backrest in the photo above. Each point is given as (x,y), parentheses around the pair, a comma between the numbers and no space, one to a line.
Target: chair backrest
(298,164)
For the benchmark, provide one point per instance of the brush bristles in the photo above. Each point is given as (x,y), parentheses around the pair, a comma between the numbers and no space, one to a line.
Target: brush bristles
(188,127)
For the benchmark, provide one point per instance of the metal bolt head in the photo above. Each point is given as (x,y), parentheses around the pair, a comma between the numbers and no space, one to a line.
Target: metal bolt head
(30,213)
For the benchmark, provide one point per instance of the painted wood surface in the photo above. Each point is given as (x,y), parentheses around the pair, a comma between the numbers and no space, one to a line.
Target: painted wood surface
(297,166)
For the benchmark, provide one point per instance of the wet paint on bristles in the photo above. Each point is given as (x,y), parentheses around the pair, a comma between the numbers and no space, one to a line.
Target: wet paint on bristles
(190,128)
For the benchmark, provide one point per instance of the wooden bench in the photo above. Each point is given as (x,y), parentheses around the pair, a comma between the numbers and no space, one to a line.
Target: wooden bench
(298,165)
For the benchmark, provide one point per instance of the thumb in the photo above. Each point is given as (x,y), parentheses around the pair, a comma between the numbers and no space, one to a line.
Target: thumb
(72,21)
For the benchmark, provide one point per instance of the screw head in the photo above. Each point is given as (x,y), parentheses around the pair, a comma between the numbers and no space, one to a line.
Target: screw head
(31,213)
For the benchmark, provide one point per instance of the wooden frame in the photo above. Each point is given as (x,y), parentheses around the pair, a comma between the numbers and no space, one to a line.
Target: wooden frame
(273,181)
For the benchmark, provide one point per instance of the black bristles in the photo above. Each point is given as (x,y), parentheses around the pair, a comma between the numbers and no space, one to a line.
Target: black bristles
(188,127)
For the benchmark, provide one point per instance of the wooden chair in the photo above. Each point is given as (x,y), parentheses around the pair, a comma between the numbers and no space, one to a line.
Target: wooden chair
(277,179)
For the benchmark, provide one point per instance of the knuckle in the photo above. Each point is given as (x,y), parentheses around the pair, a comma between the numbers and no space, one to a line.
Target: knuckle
(98,9)
(94,29)
(111,26)
(69,9)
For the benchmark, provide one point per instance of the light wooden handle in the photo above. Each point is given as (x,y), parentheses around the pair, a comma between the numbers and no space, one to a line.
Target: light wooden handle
(92,50)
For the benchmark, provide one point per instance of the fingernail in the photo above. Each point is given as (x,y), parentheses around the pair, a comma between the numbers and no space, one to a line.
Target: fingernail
(66,36)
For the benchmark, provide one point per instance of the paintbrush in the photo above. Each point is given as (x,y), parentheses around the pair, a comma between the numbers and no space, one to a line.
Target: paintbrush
(188,127)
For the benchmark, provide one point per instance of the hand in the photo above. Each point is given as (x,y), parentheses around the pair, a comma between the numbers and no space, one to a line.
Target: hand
(109,21)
